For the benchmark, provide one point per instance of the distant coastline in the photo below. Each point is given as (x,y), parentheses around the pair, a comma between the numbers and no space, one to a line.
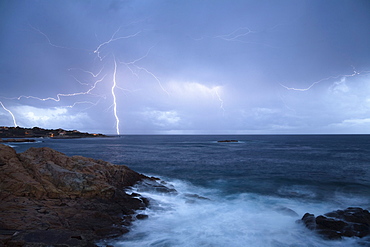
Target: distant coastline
(36,132)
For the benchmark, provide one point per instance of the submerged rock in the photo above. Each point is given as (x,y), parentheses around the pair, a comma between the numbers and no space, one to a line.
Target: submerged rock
(155,185)
(228,141)
(44,192)
(351,222)
(286,211)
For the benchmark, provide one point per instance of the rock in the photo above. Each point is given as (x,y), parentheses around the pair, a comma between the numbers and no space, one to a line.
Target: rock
(141,216)
(155,186)
(286,211)
(228,141)
(309,221)
(196,196)
(55,237)
(42,190)
(351,222)
(193,198)
(17,140)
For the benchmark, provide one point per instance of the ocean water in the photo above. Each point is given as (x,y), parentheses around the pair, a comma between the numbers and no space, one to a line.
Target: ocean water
(249,193)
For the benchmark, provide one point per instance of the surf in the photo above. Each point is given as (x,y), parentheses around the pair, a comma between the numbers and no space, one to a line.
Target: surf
(198,216)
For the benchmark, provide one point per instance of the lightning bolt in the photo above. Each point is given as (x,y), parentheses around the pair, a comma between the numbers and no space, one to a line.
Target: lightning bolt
(236,35)
(219,98)
(59,95)
(96,77)
(156,78)
(233,36)
(82,102)
(285,104)
(355,73)
(133,63)
(15,122)
(89,72)
(114,97)
(47,38)
(112,39)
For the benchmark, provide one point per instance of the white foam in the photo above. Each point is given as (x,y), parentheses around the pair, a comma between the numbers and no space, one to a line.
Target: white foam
(185,219)
(12,146)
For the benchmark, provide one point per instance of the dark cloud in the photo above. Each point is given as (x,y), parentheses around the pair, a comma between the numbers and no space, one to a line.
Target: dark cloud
(187,66)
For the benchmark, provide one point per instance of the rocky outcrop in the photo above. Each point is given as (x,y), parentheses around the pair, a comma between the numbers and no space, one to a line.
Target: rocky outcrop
(44,193)
(351,222)
(17,140)
(228,141)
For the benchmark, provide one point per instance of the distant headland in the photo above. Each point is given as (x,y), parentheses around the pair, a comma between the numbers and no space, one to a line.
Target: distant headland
(19,132)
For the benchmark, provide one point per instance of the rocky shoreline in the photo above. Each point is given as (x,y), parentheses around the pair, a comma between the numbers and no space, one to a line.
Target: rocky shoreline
(50,199)
(16,140)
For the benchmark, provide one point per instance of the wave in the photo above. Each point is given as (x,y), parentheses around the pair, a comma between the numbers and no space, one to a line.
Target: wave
(16,144)
(197,216)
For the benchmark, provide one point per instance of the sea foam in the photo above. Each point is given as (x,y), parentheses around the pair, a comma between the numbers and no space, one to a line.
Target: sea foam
(198,216)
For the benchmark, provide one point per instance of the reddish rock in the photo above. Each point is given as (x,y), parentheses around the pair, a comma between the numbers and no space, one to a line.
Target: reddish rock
(45,193)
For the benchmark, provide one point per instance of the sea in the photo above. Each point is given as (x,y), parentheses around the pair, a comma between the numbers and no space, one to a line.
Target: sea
(252,192)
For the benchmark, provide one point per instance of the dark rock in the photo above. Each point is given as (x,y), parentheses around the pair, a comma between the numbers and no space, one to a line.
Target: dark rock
(156,186)
(17,140)
(48,238)
(351,222)
(323,222)
(309,221)
(127,220)
(228,141)
(145,201)
(141,216)
(110,231)
(352,214)
(193,198)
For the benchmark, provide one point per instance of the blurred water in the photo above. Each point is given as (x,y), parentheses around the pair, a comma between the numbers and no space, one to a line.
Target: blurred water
(257,187)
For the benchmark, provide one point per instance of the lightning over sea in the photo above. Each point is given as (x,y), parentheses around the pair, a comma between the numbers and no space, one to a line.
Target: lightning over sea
(98,84)
(211,98)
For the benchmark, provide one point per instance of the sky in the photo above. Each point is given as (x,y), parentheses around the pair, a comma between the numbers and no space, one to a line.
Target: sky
(186,67)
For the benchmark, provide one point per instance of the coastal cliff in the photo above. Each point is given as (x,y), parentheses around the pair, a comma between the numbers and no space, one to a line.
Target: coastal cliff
(48,198)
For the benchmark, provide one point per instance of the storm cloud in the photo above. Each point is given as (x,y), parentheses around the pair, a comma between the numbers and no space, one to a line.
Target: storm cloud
(186,67)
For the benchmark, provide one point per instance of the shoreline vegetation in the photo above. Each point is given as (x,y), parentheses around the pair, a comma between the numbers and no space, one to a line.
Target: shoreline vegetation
(36,132)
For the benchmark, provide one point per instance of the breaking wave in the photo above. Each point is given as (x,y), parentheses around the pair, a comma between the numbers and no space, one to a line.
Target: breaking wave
(196,216)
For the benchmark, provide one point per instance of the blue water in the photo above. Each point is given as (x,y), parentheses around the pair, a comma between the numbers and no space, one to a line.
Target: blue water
(256,188)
